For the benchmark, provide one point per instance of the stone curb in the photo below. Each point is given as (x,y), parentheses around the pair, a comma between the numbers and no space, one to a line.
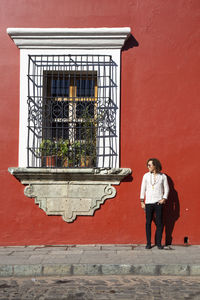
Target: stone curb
(37,270)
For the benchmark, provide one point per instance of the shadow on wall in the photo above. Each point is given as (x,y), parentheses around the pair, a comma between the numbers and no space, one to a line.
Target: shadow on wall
(130,43)
(128,178)
(171,212)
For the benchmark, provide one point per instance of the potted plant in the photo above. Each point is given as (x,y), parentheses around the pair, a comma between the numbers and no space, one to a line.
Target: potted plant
(64,152)
(87,148)
(84,153)
(88,156)
(48,153)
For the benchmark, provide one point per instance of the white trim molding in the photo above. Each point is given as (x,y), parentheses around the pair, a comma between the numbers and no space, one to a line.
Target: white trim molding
(23,119)
(73,38)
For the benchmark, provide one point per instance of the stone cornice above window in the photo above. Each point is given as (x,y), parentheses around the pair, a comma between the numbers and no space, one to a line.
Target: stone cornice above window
(73,38)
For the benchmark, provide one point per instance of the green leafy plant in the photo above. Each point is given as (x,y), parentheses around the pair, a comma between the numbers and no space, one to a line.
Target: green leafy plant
(63,147)
(77,151)
(84,150)
(47,150)
(64,152)
(47,147)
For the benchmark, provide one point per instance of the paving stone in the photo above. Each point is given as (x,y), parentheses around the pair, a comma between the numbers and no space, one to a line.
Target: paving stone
(88,247)
(144,269)
(195,270)
(27,270)
(70,259)
(6,270)
(116,269)
(98,258)
(41,251)
(19,254)
(86,269)
(74,251)
(13,260)
(117,248)
(61,259)
(35,259)
(174,269)
(51,248)
(124,252)
(57,270)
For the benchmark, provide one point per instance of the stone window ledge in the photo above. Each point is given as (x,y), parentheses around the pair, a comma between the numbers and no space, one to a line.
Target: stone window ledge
(70,192)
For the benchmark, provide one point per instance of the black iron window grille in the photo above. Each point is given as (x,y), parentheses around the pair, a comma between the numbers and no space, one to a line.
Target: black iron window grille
(72,111)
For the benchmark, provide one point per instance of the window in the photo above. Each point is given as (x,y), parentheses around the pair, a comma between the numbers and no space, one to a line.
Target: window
(70,50)
(71,117)
(68,97)
(71,111)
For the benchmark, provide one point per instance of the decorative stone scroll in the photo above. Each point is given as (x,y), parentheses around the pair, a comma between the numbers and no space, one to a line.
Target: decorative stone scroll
(70,192)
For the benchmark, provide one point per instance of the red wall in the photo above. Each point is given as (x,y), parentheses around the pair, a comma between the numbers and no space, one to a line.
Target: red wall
(159,118)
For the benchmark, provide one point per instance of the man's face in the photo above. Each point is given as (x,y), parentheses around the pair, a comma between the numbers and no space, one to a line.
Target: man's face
(151,167)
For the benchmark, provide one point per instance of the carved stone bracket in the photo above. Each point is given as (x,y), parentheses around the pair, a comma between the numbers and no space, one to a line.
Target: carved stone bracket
(69,192)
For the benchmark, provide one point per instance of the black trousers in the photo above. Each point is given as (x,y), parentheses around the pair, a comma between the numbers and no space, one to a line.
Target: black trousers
(152,209)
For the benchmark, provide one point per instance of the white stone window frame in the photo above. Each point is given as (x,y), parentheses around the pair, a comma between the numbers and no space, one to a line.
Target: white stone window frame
(76,191)
(65,41)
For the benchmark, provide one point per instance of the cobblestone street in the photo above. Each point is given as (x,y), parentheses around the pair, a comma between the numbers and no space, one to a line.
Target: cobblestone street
(100,287)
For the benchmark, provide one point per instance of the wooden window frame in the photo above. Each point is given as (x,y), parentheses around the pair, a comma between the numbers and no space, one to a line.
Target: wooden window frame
(72,98)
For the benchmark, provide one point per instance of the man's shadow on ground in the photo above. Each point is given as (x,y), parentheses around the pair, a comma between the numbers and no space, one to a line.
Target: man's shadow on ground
(171,212)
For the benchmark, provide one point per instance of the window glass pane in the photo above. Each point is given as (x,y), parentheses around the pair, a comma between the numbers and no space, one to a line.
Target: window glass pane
(59,87)
(85,87)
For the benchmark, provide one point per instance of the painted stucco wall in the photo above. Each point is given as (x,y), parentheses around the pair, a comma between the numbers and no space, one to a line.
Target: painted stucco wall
(159,118)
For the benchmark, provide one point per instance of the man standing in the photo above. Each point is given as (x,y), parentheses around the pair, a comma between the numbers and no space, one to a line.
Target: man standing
(154,190)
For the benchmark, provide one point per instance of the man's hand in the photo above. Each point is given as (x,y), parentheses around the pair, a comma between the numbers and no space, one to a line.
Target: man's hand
(143,205)
(162,201)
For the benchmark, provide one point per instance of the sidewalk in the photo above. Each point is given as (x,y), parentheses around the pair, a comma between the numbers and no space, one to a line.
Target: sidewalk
(99,260)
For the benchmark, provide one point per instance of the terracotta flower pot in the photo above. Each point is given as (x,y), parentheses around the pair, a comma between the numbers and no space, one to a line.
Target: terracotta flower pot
(49,161)
(67,164)
(86,161)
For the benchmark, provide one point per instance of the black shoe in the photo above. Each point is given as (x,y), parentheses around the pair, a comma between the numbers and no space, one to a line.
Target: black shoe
(160,247)
(148,247)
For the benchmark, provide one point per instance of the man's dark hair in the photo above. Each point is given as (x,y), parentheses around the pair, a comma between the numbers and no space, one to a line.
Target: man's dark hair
(156,164)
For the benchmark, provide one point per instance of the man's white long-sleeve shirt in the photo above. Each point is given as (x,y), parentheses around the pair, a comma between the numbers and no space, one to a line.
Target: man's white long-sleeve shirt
(154,192)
